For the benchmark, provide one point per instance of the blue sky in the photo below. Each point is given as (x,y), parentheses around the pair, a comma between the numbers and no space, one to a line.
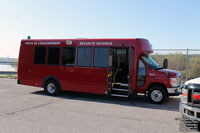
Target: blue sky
(165,23)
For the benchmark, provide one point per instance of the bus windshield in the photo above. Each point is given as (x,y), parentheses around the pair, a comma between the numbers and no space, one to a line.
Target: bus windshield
(151,62)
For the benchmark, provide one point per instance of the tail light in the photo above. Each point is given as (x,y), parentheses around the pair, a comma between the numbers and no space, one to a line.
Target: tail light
(196,96)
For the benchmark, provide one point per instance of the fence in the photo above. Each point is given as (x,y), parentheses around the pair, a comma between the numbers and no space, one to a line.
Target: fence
(187,61)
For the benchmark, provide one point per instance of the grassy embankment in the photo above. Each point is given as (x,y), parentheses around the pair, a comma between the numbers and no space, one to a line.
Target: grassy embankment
(8,76)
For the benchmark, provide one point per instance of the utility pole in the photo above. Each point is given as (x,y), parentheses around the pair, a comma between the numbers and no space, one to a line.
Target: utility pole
(187,64)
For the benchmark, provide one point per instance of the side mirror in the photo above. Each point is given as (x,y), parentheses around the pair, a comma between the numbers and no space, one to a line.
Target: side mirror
(165,63)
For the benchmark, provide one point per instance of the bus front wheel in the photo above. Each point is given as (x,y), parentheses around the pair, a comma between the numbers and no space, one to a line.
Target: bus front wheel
(51,88)
(157,94)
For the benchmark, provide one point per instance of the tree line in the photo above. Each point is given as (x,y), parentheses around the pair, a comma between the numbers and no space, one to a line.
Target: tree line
(177,61)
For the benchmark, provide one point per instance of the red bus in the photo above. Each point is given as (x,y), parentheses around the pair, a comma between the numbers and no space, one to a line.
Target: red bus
(116,67)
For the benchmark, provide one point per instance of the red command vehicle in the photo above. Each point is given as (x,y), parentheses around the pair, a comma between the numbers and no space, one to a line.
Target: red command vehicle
(116,67)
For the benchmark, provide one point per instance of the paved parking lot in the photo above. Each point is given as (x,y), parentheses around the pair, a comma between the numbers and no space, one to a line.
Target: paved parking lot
(28,109)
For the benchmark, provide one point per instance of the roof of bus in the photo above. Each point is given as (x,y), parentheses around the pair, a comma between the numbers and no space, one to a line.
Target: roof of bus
(79,39)
(87,42)
(142,44)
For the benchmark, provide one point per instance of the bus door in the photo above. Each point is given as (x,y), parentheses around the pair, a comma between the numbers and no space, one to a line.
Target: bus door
(131,50)
(119,70)
(110,73)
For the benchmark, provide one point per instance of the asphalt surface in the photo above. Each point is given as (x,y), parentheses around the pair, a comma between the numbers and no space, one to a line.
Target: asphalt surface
(27,109)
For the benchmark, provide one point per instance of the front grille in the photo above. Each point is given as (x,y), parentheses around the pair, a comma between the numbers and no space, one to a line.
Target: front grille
(192,88)
(196,102)
(179,79)
(189,96)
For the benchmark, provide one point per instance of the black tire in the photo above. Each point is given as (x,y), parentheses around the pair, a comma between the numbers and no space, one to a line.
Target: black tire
(51,88)
(157,94)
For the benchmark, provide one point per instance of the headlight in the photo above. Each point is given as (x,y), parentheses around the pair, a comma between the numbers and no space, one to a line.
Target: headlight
(184,96)
(174,82)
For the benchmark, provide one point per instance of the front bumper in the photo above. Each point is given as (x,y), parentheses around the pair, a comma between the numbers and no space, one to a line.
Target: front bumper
(190,112)
(175,91)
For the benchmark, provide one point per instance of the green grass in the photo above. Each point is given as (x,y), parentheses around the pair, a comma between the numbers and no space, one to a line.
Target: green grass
(8,76)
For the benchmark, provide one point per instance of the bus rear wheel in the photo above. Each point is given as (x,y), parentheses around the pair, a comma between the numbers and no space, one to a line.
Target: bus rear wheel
(51,88)
(157,94)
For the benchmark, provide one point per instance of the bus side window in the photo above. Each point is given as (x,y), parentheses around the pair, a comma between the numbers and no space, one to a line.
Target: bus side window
(53,56)
(68,56)
(141,75)
(101,57)
(84,56)
(40,55)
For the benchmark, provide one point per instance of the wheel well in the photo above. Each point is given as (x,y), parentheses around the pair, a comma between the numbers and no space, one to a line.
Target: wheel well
(157,84)
(51,78)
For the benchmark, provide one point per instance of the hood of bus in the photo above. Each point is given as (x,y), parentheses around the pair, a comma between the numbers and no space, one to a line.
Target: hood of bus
(165,73)
(173,73)
(170,73)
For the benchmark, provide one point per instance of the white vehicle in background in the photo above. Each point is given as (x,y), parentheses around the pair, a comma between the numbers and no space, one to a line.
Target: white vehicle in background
(190,101)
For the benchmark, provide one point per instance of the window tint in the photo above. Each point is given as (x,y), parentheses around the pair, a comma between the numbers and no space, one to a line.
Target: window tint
(84,56)
(141,68)
(141,75)
(122,53)
(68,56)
(40,55)
(101,57)
(53,56)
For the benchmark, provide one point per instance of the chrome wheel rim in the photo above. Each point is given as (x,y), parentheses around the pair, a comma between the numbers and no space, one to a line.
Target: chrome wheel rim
(51,88)
(156,95)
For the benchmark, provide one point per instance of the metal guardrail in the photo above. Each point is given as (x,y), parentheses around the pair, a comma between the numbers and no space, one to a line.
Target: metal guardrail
(8,63)
(8,73)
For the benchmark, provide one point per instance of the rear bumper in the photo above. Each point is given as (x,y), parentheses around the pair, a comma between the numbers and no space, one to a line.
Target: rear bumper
(175,91)
(189,112)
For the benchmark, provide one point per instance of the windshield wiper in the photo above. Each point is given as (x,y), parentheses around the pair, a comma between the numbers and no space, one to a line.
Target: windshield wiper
(159,68)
